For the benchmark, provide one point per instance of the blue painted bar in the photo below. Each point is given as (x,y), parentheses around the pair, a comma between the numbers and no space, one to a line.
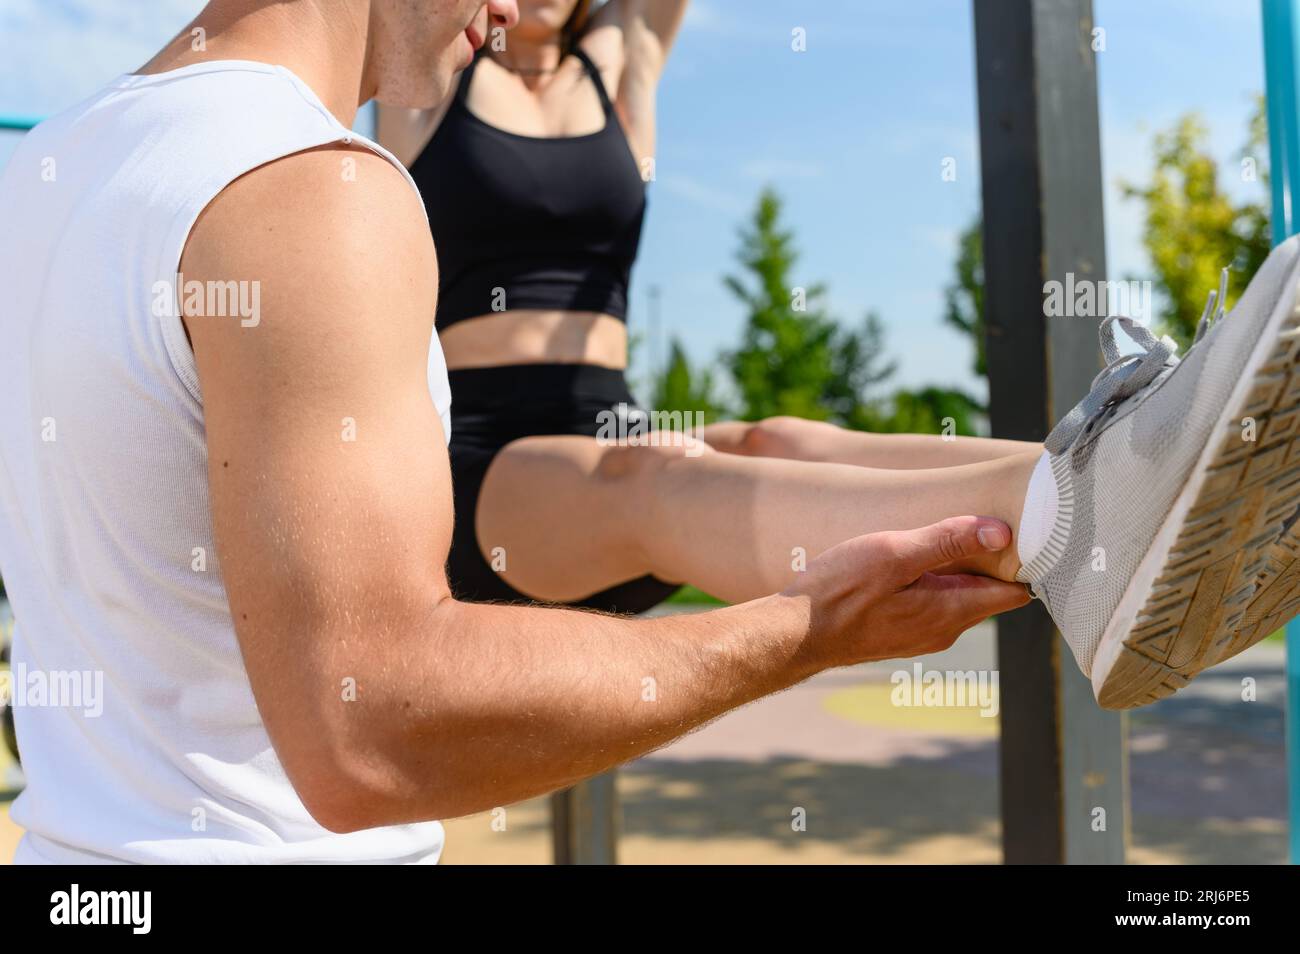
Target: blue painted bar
(17,123)
(1281,54)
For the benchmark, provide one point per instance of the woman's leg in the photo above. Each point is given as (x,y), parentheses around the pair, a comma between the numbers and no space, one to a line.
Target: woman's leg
(568,516)
(795,438)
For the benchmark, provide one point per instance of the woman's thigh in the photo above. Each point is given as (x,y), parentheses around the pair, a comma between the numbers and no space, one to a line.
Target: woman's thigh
(562,517)
(793,438)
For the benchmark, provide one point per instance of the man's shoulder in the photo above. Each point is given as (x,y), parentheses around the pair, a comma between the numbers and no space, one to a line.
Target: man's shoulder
(336,203)
(325,180)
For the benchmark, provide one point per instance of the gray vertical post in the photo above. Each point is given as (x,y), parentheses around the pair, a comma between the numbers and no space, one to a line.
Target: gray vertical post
(1062,757)
(584,826)
(656,334)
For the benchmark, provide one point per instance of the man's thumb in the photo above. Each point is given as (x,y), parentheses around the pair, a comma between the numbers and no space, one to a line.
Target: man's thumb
(951,540)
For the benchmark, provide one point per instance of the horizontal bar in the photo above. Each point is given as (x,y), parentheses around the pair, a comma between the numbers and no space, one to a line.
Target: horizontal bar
(18,123)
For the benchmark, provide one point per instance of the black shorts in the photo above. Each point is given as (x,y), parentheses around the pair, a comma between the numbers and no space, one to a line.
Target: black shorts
(490,407)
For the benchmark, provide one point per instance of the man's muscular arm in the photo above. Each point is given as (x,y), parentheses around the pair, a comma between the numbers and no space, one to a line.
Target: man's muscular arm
(331,499)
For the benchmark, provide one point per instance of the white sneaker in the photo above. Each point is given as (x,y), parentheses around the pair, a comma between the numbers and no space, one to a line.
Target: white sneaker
(1176,539)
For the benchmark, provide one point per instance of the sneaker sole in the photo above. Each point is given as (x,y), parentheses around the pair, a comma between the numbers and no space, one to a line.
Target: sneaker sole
(1224,571)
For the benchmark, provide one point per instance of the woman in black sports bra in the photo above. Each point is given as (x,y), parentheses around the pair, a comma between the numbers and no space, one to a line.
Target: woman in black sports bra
(534,177)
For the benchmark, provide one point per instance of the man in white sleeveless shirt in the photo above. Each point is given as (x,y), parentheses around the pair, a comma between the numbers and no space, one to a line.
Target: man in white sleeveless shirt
(224,490)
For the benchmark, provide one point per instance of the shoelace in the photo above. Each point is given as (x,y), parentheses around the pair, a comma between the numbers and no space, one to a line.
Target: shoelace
(1127,374)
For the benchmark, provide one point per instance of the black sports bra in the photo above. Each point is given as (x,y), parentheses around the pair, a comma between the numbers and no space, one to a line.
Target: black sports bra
(530,222)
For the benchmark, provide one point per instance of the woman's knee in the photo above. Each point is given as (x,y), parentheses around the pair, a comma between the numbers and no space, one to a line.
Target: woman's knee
(647,462)
(775,436)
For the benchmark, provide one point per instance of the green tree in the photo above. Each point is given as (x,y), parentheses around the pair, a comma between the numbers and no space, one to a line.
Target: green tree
(964,298)
(932,410)
(1193,228)
(794,359)
(683,388)
(858,367)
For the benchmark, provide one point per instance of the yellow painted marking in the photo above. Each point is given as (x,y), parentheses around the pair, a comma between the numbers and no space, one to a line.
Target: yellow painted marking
(874,704)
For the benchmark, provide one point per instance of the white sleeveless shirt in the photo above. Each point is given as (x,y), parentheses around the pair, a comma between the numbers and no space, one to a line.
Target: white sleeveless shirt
(140,738)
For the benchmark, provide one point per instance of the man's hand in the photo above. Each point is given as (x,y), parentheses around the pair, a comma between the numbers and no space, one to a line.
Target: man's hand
(892,595)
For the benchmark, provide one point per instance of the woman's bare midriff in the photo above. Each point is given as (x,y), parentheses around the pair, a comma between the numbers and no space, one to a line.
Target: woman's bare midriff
(535,337)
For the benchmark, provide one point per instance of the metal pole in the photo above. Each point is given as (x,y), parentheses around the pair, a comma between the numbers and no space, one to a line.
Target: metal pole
(584,826)
(1280,57)
(1064,786)
(17,123)
(656,336)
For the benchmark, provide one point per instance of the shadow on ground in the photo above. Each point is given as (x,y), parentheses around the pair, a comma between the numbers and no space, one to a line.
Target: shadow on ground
(869,810)
(1207,781)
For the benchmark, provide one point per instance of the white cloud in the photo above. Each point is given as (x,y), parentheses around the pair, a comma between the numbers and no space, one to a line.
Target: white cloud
(54,54)
(938,139)
(692,190)
(702,17)
(769,170)
(941,238)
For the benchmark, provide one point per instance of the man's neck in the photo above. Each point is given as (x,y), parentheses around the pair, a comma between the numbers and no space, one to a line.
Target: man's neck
(326,49)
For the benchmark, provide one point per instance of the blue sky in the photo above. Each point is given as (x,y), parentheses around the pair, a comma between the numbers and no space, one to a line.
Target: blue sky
(852,133)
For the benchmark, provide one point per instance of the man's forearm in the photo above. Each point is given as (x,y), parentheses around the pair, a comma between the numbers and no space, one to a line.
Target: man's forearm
(498,703)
